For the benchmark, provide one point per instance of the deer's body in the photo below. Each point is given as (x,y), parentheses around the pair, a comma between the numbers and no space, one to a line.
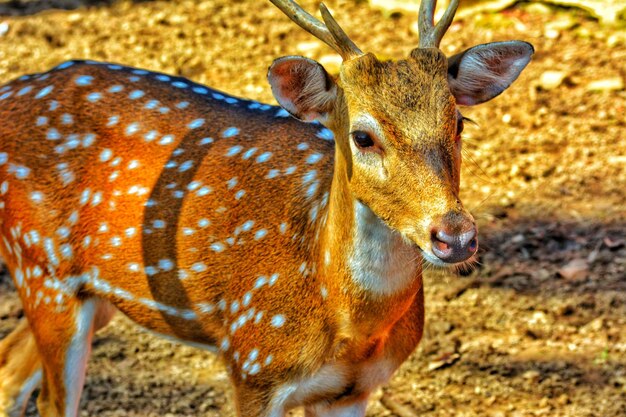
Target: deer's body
(227,224)
(184,198)
(195,210)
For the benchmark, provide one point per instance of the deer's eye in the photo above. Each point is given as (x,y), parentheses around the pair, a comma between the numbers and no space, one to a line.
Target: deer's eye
(459,126)
(362,139)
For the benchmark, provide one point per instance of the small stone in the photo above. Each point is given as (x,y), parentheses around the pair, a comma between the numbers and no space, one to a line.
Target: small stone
(594,326)
(616,39)
(531,375)
(447,359)
(542,274)
(563,399)
(563,23)
(537,8)
(606,84)
(518,238)
(614,243)
(550,80)
(576,269)
(552,34)
(583,33)
(389,7)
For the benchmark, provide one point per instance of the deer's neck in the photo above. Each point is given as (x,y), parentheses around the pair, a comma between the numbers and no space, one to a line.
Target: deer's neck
(379,260)
(367,266)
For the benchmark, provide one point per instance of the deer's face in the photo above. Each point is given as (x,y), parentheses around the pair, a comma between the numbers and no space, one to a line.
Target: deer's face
(397,124)
(403,135)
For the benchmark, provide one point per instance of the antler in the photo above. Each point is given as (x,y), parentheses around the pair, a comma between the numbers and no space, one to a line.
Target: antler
(430,36)
(328,32)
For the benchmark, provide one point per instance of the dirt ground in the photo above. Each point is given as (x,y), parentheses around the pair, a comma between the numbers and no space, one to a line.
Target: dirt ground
(538,329)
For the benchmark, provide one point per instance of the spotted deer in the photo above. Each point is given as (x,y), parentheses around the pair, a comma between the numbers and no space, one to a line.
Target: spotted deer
(293,250)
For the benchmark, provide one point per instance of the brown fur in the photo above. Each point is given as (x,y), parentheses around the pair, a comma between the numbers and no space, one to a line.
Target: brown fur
(19,360)
(344,332)
(281,299)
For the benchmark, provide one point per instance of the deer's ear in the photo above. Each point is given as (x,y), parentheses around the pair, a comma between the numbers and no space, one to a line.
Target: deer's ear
(484,71)
(302,87)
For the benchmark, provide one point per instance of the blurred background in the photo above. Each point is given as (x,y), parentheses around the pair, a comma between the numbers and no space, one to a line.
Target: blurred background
(539,327)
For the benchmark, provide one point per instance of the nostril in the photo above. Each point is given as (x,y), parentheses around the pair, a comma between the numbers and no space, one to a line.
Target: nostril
(473,245)
(469,241)
(442,246)
(441,236)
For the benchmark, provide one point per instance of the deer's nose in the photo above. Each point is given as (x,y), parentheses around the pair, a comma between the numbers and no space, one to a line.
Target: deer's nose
(454,246)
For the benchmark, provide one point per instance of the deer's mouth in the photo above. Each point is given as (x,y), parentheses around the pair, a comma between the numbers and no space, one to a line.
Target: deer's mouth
(432,259)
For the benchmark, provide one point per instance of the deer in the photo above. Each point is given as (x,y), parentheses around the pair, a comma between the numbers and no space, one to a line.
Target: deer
(289,240)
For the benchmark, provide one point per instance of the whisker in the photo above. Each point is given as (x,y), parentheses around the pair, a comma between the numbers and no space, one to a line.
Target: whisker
(485,176)
(479,205)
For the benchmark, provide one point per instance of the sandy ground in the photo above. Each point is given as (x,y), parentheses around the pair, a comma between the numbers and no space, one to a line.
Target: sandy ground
(544,173)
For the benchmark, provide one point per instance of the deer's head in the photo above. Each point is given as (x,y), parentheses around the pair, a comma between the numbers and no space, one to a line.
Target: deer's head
(397,124)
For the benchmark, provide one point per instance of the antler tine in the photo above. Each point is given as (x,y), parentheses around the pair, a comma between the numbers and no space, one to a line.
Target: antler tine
(430,36)
(330,33)
(445,21)
(425,23)
(348,48)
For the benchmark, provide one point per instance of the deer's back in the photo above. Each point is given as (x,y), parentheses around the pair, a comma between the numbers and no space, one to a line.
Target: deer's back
(200,203)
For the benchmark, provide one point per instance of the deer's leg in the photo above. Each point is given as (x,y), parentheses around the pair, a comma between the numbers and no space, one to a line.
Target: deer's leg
(20,364)
(351,409)
(63,337)
(20,370)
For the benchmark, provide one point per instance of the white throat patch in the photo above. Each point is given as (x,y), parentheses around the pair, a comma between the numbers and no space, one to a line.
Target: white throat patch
(380,260)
